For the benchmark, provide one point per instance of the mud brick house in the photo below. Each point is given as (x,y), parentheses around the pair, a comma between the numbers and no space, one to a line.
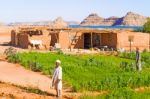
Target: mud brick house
(23,37)
(69,38)
(90,38)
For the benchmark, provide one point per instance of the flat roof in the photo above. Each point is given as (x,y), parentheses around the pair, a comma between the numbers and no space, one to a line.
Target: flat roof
(83,30)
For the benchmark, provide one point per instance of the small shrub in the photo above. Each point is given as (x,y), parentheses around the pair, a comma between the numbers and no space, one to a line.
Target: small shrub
(10,51)
(60,52)
(145,51)
(35,66)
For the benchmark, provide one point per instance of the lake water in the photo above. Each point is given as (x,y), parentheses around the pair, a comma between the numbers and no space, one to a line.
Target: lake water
(107,27)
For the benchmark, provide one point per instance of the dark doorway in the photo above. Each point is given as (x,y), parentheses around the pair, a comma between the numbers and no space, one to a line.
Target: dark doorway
(87,40)
(91,42)
(96,40)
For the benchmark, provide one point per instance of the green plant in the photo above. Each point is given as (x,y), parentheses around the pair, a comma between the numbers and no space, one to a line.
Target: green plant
(35,66)
(147,26)
(10,51)
(91,72)
(59,51)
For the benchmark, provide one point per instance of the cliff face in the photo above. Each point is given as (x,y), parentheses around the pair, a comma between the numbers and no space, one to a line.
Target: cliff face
(130,19)
(95,20)
(110,21)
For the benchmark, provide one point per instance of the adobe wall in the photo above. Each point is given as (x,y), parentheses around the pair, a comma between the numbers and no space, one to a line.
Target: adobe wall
(109,39)
(23,40)
(140,40)
(53,39)
(80,42)
(13,38)
(45,38)
(65,40)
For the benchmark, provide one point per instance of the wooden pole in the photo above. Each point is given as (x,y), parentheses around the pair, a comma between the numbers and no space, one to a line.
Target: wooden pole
(69,40)
(91,40)
(130,46)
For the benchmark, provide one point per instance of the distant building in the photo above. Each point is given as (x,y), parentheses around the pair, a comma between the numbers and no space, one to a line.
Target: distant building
(69,38)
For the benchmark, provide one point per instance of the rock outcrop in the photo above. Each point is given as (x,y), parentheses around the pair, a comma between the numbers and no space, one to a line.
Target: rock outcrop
(110,21)
(130,19)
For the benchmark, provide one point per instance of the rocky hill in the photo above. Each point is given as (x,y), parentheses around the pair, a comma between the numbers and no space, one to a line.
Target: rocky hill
(92,20)
(110,21)
(130,19)
(59,23)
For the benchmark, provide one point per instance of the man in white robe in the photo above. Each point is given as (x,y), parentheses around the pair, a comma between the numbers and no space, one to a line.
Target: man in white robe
(57,78)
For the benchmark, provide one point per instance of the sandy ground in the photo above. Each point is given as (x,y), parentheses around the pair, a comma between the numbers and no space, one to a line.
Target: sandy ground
(8,91)
(17,75)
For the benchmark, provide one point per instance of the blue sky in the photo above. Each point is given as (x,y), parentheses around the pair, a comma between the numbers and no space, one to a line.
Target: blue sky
(40,10)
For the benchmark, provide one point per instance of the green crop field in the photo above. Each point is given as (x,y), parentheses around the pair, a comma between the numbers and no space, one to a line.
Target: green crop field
(91,72)
(122,93)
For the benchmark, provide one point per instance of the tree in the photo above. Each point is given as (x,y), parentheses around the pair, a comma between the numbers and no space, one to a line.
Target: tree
(147,26)
(147,29)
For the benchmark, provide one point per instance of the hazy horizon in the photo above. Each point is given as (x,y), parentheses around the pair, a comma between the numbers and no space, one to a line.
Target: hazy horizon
(77,10)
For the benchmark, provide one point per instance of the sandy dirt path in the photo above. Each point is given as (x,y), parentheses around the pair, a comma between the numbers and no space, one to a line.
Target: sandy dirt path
(8,91)
(15,74)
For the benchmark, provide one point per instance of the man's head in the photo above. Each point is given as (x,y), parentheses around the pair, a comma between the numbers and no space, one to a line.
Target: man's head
(58,62)
(137,49)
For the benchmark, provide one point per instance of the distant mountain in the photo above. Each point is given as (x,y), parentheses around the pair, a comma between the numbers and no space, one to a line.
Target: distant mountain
(133,19)
(92,20)
(57,23)
(130,19)
(40,23)
(110,21)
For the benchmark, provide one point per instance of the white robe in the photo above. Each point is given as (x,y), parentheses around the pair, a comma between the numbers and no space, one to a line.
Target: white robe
(57,75)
